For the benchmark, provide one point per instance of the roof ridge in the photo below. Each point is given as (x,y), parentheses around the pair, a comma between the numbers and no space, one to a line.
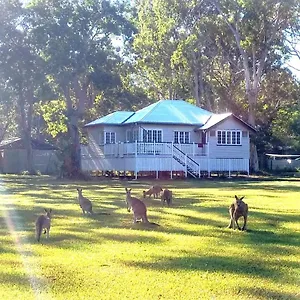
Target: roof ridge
(155,104)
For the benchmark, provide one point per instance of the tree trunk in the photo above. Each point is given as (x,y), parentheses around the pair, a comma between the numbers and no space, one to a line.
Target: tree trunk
(71,159)
(25,130)
(252,100)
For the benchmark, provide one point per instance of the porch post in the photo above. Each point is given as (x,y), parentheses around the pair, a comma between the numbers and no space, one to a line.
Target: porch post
(172,160)
(185,161)
(208,160)
(135,154)
(193,149)
(155,159)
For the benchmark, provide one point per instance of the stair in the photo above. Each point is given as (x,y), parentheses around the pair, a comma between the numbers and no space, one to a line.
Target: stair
(192,167)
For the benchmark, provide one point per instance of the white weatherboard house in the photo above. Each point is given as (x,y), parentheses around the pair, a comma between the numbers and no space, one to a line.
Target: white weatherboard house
(169,135)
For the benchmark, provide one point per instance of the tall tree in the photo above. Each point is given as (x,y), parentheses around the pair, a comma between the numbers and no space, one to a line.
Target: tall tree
(259,29)
(20,66)
(75,39)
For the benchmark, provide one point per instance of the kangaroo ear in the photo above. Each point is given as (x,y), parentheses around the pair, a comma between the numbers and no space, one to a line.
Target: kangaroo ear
(126,189)
(242,198)
(236,197)
(50,210)
(45,210)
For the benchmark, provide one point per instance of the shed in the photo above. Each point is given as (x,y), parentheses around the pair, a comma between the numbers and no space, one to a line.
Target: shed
(13,156)
(283,162)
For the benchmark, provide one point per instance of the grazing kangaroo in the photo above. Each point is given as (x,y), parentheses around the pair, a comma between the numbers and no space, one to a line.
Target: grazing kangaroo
(43,222)
(236,210)
(154,190)
(166,197)
(84,203)
(138,207)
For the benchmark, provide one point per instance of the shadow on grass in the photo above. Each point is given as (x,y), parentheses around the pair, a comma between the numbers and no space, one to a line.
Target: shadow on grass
(14,279)
(265,293)
(264,237)
(243,265)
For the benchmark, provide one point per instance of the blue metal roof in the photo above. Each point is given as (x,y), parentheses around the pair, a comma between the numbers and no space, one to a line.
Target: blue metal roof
(115,118)
(171,112)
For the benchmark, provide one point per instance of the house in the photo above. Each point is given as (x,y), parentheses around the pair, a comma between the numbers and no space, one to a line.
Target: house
(168,136)
(13,156)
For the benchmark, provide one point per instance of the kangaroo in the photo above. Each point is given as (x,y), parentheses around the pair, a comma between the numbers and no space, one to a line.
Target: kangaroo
(236,210)
(84,203)
(138,207)
(154,190)
(43,222)
(166,197)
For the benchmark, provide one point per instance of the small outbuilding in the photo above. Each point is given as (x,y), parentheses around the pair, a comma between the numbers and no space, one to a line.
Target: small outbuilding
(283,162)
(13,156)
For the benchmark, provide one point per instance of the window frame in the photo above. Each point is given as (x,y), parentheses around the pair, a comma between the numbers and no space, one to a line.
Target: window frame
(229,137)
(149,138)
(183,137)
(110,140)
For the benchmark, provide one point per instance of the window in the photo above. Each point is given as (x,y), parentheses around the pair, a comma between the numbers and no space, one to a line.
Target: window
(229,137)
(181,137)
(132,135)
(128,135)
(110,137)
(152,135)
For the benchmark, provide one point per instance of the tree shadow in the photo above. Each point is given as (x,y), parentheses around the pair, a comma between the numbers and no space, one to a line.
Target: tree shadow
(266,293)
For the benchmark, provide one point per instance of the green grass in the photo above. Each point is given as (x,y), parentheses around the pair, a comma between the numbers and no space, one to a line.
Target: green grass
(191,255)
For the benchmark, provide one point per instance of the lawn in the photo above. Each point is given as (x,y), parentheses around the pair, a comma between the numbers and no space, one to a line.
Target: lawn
(191,255)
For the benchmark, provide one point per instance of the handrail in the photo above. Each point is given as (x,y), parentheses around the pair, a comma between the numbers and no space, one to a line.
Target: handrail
(185,154)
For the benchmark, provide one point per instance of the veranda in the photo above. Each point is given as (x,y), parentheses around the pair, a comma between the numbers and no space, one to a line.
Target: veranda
(191,159)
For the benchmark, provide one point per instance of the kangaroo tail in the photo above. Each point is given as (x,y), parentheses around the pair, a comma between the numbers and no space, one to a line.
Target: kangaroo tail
(38,231)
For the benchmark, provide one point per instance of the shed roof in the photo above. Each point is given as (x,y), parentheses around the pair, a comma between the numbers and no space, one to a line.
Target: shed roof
(18,143)
(115,118)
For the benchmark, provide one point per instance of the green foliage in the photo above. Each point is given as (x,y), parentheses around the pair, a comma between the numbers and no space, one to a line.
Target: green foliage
(54,115)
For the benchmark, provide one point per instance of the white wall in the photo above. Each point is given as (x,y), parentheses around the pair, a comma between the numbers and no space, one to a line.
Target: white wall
(167,135)
(229,151)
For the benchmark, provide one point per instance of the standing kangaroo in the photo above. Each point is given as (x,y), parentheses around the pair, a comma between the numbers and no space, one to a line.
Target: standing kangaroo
(166,197)
(84,203)
(155,190)
(236,210)
(43,222)
(138,207)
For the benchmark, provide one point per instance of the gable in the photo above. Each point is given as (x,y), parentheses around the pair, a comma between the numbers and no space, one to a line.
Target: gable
(222,121)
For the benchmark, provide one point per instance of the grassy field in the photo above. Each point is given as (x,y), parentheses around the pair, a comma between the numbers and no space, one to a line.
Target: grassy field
(191,255)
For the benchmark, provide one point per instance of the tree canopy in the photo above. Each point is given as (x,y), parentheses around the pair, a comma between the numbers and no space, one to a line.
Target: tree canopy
(64,63)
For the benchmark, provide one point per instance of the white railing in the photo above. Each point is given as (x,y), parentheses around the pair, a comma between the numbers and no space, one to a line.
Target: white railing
(143,148)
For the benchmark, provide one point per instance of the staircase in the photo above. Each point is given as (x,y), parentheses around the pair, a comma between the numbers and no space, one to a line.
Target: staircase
(192,167)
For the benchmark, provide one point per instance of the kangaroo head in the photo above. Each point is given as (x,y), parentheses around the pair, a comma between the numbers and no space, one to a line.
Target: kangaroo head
(238,201)
(48,212)
(79,190)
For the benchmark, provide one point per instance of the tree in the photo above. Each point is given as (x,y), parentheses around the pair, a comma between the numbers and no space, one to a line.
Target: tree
(75,39)
(20,67)
(258,28)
